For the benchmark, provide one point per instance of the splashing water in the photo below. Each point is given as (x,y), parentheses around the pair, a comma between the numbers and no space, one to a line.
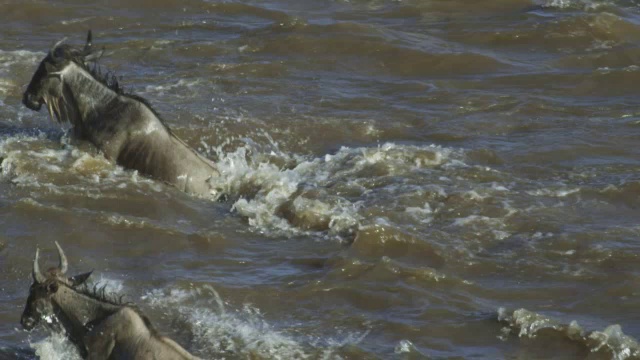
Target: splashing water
(219,332)
(315,195)
(611,340)
(55,347)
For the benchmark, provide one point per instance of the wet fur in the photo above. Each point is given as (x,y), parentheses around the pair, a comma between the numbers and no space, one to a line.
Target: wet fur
(101,325)
(123,126)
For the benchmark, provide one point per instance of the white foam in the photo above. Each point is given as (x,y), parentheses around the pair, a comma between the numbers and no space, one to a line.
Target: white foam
(33,160)
(8,58)
(404,346)
(55,347)
(262,188)
(612,340)
(553,192)
(180,84)
(621,345)
(582,4)
(473,195)
(219,329)
(76,20)
(479,219)
(298,199)
(9,61)
(423,214)
(5,85)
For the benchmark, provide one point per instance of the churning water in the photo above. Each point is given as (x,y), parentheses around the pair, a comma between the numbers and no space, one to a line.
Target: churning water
(404,179)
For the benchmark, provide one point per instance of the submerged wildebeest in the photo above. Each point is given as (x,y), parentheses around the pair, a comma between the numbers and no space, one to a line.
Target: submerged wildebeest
(123,126)
(100,327)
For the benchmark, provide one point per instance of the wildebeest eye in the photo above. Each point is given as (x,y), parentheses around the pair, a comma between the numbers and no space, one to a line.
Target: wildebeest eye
(58,53)
(52,288)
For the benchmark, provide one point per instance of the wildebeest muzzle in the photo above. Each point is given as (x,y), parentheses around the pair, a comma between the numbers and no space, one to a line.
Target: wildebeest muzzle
(31,101)
(28,322)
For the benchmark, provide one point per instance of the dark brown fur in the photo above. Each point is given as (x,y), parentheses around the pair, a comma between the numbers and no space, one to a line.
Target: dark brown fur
(123,126)
(101,326)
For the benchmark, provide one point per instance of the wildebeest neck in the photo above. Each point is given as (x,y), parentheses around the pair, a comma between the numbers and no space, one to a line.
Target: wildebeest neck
(79,309)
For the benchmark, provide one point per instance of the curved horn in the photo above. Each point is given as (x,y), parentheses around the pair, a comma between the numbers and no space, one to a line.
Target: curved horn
(55,46)
(37,275)
(88,44)
(63,260)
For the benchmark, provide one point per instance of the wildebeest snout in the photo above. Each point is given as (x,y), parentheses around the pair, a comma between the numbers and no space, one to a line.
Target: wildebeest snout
(31,101)
(27,322)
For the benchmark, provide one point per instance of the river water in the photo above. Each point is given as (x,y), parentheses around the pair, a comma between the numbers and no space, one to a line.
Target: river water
(404,179)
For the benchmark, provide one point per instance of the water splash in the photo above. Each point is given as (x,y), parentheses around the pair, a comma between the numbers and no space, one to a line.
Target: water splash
(323,194)
(216,330)
(55,347)
(219,330)
(611,340)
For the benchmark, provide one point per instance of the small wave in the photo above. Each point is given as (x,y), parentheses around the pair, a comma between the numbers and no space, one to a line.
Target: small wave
(9,58)
(176,89)
(407,348)
(76,20)
(383,240)
(39,161)
(560,193)
(577,4)
(9,62)
(259,14)
(611,341)
(218,330)
(390,59)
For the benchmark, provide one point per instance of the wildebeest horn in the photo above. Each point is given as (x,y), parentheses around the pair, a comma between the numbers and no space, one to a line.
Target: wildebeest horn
(88,53)
(55,46)
(37,275)
(63,260)
(87,46)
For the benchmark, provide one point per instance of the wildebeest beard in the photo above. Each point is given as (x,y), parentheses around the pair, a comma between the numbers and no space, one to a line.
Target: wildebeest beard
(63,109)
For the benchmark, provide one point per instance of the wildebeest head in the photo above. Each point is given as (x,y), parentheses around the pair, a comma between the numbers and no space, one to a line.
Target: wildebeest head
(46,83)
(40,302)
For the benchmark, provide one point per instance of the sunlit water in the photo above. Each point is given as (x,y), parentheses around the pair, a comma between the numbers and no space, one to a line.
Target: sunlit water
(402,179)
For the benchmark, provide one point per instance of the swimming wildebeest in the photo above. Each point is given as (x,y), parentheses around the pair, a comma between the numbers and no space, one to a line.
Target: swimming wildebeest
(123,126)
(100,328)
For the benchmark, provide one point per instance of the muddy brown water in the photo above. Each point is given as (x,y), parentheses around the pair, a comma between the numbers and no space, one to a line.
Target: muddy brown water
(405,179)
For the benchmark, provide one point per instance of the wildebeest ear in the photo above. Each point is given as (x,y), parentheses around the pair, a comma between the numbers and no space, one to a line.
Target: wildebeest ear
(56,50)
(87,45)
(88,53)
(94,55)
(79,279)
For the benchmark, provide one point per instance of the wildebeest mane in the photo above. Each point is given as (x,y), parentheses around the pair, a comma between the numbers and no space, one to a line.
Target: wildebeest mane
(108,79)
(99,292)
(76,55)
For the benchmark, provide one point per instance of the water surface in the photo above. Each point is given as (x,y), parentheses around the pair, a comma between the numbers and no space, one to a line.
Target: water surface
(404,179)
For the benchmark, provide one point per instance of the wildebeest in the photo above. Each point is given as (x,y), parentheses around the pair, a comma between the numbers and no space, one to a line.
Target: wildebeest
(100,328)
(123,126)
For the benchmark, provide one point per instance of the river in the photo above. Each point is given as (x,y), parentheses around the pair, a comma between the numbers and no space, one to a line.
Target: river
(415,179)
